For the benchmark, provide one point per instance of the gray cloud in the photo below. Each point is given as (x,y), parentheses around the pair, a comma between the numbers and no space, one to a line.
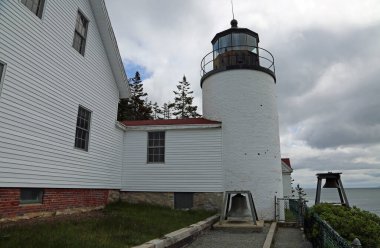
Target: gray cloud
(329,86)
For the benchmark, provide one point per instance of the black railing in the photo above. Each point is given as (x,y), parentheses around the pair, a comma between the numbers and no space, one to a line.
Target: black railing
(321,234)
(238,55)
(318,231)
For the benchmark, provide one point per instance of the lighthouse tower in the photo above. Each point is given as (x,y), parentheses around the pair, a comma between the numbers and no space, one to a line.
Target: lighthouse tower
(238,88)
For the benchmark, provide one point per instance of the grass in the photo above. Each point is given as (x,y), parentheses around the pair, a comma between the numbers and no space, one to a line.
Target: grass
(119,225)
(290,216)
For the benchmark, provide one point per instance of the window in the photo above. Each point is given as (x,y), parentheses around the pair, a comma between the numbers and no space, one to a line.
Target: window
(252,43)
(80,33)
(83,129)
(36,6)
(29,195)
(225,43)
(2,70)
(156,147)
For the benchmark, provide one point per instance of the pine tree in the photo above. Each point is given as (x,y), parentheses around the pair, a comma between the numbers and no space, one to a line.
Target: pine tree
(167,110)
(135,107)
(157,112)
(183,101)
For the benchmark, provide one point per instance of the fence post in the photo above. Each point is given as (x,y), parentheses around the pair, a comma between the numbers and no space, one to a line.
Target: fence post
(356,243)
(275,208)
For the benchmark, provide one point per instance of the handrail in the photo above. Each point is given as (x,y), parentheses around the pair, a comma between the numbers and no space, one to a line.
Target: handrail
(207,63)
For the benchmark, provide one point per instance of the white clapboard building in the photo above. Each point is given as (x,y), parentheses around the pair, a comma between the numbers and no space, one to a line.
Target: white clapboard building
(62,150)
(61,81)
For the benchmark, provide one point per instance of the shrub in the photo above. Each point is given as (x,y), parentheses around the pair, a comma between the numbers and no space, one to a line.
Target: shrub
(350,223)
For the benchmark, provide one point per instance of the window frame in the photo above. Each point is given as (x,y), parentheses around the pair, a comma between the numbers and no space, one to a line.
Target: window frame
(40,195)
(87,139)
(82,49)
(40,9)
(2,75)
(153,146)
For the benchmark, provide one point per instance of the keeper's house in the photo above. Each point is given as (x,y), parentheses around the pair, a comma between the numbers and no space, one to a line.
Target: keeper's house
(61,81)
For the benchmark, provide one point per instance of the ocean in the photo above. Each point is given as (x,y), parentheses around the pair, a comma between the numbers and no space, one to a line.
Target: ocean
(364,198)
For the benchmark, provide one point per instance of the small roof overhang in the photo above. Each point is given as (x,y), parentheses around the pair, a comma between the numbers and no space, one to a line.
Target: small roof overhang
(168,124)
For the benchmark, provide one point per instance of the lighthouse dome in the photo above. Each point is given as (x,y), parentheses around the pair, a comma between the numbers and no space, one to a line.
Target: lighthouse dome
(237,48)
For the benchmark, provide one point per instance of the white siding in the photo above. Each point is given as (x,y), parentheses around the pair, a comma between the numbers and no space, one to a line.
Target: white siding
(192,162)
(45,82)
(287,184)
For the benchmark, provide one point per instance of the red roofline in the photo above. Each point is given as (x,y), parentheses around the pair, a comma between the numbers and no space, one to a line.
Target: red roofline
(286,161)
(189,121)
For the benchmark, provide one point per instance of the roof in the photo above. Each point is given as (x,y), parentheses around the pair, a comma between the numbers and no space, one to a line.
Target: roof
(109,41)
(189,121)
(285,165)
(286,161)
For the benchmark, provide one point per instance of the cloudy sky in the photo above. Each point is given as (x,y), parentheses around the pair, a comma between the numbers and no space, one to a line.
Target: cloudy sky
(327,55)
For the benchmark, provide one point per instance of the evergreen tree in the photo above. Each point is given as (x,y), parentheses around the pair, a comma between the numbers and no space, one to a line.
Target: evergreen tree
(167,110)
(183,101)
(135,107)
(157,112)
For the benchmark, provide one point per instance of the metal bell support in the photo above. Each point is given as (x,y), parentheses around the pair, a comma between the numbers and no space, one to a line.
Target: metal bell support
(332,181)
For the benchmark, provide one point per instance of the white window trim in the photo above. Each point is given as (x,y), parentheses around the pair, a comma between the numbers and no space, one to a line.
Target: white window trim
(147,147)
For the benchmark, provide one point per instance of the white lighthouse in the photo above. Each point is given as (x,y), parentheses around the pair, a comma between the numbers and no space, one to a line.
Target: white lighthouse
(238,89)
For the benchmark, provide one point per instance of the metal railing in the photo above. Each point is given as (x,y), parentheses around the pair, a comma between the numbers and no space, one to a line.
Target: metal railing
(265,58)
(321,234)
(318,231)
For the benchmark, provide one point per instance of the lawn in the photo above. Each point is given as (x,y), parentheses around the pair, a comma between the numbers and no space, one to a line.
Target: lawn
(290,216)
(118,225)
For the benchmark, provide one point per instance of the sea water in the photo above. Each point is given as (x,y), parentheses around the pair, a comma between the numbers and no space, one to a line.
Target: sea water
(363,198)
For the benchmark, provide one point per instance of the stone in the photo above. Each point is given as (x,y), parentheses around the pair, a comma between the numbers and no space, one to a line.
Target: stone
(154,198)
(113,196)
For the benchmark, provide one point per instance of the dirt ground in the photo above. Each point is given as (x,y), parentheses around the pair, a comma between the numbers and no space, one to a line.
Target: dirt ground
(37,220)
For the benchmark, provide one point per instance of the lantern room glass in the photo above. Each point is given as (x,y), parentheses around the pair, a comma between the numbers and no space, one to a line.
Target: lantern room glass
(235,41)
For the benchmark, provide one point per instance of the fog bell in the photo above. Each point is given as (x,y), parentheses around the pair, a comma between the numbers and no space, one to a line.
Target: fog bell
(331,183)
(239,207)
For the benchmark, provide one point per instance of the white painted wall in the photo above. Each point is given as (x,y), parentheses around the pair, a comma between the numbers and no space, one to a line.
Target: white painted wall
(192,162)
(45,81)
(287,184)
(245,102)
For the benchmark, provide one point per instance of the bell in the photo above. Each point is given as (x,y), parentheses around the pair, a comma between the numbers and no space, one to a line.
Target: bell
(239,207)
(331,183)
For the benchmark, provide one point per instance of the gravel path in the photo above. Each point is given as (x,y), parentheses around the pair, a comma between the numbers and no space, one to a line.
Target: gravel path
(228,239)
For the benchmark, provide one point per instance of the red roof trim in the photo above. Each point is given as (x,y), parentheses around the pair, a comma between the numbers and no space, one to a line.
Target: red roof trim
(286,161)
(189,121)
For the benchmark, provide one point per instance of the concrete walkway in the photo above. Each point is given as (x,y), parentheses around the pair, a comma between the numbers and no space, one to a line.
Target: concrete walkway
(288,237)
(229,239)
(285,237)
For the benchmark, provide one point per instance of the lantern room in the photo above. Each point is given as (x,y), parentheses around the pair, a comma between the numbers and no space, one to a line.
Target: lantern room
(234,47)
(237,48)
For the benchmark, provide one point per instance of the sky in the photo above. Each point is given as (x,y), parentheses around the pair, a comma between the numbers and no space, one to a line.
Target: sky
(327,57)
